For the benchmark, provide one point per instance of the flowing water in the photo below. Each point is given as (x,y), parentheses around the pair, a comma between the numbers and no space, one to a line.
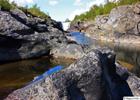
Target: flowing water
(17,74)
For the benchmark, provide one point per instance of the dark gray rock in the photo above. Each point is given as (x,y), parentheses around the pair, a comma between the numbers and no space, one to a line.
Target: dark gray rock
(23,37)
(82,80)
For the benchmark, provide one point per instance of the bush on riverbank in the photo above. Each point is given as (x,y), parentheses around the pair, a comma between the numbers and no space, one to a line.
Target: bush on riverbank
(101,10)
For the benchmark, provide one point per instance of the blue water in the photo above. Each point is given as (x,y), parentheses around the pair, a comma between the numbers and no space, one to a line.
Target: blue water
(49,72)
(80,38)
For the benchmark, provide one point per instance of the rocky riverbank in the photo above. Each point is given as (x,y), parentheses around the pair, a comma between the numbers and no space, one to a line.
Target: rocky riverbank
(24,36)
(121,25)
(82,79)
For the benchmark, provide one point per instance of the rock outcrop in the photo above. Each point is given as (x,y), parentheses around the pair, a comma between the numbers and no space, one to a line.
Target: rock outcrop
(23,36)
(122,21)
(82,80)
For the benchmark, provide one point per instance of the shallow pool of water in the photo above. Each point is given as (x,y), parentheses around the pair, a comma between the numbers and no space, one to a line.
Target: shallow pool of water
(17,74)
(126,54)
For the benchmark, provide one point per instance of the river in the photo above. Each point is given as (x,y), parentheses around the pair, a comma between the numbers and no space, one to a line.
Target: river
(14,75)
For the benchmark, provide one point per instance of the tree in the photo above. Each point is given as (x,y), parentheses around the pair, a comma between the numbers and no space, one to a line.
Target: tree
(67,20)
(5,5)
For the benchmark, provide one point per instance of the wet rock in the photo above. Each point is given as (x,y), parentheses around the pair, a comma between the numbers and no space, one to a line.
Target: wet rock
(82,80)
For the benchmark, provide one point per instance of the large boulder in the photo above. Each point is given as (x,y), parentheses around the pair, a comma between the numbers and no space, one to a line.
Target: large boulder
(82,80)
(121,20)
(124,19)
(23,36)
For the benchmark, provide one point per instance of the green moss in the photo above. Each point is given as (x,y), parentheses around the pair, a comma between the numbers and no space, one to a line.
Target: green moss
(101,10)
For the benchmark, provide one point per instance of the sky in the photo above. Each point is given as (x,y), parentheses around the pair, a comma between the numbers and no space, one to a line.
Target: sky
(60,10)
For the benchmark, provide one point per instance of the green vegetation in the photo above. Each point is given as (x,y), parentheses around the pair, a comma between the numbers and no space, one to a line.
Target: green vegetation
(67,20)
(34,10)
(5,5)
(101,10)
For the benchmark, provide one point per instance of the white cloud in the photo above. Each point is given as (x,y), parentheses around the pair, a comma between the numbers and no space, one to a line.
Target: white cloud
(95,2)
(86,8)
(53,2)
(78,3)
(77,12)
(22,2)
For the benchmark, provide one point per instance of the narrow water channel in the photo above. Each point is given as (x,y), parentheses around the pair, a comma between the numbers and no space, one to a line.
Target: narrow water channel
(17,74)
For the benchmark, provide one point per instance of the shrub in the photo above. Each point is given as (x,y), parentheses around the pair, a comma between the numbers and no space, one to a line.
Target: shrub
(35,11)
(5,5)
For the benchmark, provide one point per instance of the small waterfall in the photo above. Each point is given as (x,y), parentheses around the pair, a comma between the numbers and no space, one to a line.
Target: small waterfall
(65,25)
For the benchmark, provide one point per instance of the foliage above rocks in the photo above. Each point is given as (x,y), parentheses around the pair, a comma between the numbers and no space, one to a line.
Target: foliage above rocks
(34,10)
(102,9)
(5,5)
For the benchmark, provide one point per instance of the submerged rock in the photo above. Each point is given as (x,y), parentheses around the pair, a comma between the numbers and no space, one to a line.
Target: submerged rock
(82,80)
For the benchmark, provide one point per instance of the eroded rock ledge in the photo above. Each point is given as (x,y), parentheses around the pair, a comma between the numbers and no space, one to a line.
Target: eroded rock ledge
(82,79)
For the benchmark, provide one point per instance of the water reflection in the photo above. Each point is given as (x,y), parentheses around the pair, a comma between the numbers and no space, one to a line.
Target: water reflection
(17,74)
(132,56)
(126,53)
